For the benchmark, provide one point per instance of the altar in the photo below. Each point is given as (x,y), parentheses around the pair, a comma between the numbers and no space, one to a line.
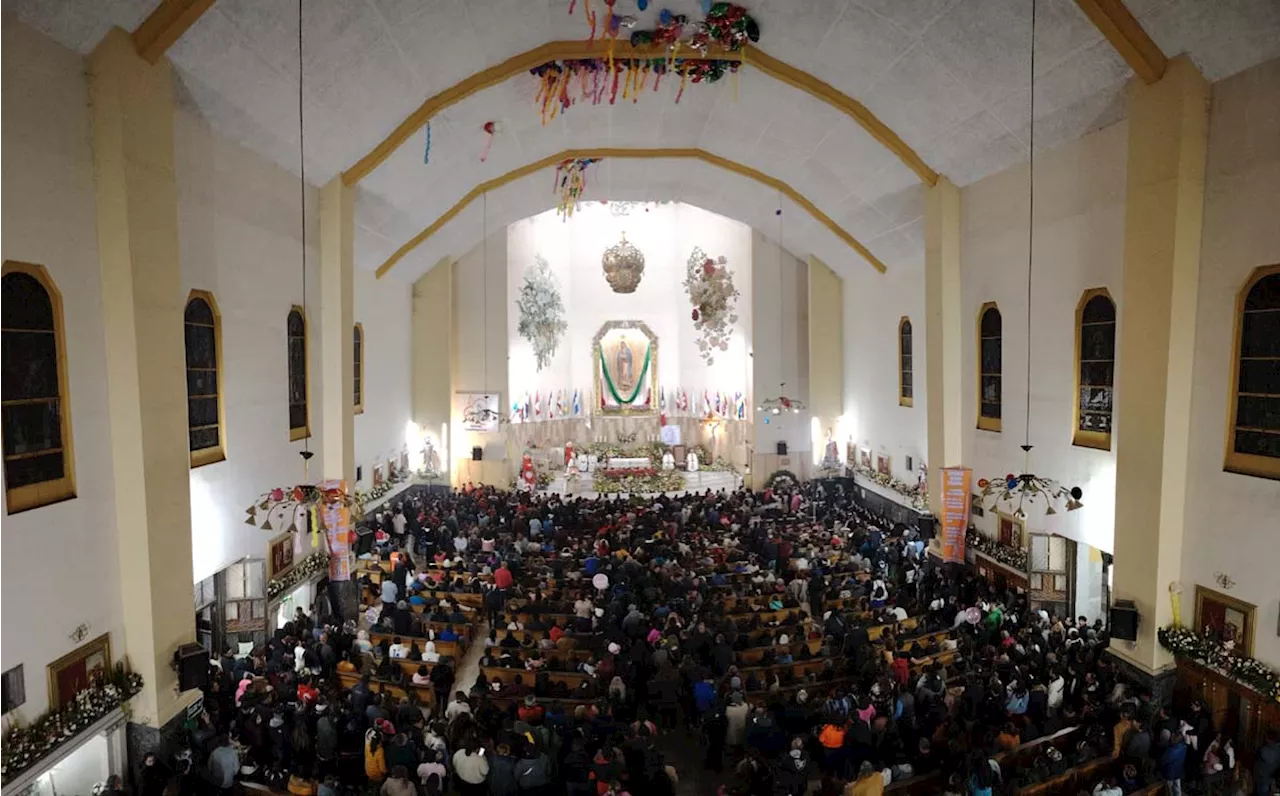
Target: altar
(628,462)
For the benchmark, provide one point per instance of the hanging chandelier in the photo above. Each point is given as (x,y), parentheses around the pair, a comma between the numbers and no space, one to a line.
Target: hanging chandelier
(781,403)
(1026,488)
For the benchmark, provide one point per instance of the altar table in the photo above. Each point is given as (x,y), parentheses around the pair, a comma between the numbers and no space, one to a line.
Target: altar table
(629,463)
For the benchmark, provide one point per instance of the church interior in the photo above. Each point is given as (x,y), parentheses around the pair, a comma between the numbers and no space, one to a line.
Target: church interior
(777,317)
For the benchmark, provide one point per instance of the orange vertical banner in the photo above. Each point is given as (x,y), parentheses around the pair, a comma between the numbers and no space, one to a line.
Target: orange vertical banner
(955,511)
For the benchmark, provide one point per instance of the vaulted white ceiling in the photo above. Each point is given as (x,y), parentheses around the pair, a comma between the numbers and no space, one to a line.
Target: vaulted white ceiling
(948,76)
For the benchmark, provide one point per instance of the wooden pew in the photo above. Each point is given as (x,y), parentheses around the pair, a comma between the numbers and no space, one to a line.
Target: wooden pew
(507,676)
(453,649)
(425,694)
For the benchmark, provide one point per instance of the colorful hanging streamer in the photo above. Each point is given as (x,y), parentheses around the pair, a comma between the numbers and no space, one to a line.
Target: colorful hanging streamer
(570,182)
(426,154)
(563,84)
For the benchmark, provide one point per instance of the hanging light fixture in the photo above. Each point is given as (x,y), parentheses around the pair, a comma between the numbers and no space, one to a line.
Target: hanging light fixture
(1026,488)
(781,402)
(304,502)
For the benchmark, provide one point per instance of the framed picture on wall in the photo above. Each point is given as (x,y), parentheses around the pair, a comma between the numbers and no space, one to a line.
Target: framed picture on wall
(865,457)
(76,671)
(1225,618)
(851,454)
(882,464)
(1011,531)
(280,559)
(975,505)
(377,475)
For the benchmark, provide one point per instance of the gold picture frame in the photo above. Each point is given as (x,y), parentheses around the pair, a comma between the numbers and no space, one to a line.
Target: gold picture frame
(76,670)
(651,376)
(1217,612)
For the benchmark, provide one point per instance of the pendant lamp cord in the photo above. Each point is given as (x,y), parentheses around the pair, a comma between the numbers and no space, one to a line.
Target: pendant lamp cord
(1031,222)
(302,196)
(484,232)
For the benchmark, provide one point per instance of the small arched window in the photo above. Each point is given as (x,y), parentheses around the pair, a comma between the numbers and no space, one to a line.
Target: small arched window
(39,467)
(906,386)
(203,338)
(990,367)
(1253,436)
(299,418)
(1095,369)
(358,364)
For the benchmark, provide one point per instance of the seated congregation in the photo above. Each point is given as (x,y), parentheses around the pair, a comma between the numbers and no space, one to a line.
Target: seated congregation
(737,643)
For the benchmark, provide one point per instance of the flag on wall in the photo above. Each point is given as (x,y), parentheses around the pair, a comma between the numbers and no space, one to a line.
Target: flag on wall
(577,407)
(662,401)
(560,403)
(537,405)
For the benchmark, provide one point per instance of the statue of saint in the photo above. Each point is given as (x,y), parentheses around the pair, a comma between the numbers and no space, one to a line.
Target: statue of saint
(831,454)
(622,364)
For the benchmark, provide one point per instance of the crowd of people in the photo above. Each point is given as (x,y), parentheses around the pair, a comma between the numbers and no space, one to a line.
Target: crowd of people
(796,641)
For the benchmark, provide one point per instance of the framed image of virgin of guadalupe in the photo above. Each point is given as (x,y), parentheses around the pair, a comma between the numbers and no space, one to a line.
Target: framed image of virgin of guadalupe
(1226,619)
(626,368)
(77,670)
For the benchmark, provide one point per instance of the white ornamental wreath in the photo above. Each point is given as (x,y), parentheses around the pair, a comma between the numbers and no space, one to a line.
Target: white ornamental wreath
(709,284)
(541,308)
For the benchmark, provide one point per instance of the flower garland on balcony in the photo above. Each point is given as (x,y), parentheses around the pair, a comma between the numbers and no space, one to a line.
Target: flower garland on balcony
(26,745)
(1206,651)
(301,571)
(914,495)
(1015,557)
(709,284)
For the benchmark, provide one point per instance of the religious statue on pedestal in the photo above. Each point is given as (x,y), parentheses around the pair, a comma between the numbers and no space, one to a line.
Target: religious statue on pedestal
(831,453)
(528,479)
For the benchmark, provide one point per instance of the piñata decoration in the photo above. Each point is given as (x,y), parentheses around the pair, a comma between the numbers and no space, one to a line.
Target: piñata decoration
(593,81)
(571,181)
(728,25)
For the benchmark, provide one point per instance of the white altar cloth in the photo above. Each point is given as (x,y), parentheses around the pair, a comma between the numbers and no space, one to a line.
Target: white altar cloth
(629,463)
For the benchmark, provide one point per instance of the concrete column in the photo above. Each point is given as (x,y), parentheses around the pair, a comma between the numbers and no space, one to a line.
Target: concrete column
(137,208)
(944,333)
(337,324)
(826,351)
(1164,202)
(431,354)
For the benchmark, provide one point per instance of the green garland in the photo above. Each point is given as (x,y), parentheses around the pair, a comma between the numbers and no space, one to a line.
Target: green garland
(303,569)
(24,746)
(608,380)
(1185,643)
(779,478)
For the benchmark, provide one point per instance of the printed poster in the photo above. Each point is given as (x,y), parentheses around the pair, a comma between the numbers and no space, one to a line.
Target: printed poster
(955,511)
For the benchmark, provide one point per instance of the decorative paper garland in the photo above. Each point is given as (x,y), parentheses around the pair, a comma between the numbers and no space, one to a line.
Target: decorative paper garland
(541,309)
(1250,672)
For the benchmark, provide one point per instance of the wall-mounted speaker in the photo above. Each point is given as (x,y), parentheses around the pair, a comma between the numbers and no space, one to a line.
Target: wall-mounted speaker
(926,527)
(782,449)
(1124,621)
(192,663)
(477,453)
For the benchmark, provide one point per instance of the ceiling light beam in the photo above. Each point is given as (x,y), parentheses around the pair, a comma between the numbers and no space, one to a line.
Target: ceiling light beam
(622,51)
(159,31)
(625,153)
(1126,35)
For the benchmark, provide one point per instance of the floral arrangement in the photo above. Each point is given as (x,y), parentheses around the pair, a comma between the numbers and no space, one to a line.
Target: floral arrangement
(623,472)
(541,310)
(651,450)
(1206,651)
(26,745)
(543,478)
(915,496)
(713,296)
(633,481)
(781,479)
(1010,556)
(301,571)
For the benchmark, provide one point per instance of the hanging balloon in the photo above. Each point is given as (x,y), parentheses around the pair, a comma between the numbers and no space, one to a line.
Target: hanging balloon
(489,129)
(600,581)
(1077,492)
(973,616)
(642,4)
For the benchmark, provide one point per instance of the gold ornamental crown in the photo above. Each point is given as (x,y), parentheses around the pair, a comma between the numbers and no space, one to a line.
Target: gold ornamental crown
(623,266)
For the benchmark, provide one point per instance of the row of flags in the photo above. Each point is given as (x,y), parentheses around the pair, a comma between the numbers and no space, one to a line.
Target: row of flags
(564,404)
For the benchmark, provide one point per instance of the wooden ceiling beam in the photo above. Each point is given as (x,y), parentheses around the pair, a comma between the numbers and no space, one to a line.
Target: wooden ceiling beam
(1126,35)
(165,26)
(621,153)
(622,50)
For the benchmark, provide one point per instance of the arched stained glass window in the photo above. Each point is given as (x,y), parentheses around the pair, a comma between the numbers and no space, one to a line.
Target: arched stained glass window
(1253,434)
(39,467)
(203,338)
(1095,369)
(299,418)
(990,367)
(906,384)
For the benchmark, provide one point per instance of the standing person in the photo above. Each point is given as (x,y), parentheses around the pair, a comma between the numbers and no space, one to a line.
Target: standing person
(817,590)
(471,768)
(375,757)
(389,593)
(1266,763)
(398,784)
(224,763)
(1173,763)
(441,682)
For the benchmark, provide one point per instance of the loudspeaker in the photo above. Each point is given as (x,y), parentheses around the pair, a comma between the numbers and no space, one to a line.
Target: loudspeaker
(192,663)
(1124,621)
(365,538)
(926,528)
(477,453)
(782,449)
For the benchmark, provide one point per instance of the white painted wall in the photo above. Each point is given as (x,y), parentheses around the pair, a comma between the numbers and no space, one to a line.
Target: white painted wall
(1079,239)
(666,235)
(1233,521)
(780,349)
(384,307)
(480,335)
(874,304)
(48,218)
(238,226)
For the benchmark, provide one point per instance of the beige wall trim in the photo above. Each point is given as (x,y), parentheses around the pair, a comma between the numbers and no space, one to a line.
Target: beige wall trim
(944,336)
(337,344)
(617,152)
(826,344)
(1126,35)
(571,50)
(165,26)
